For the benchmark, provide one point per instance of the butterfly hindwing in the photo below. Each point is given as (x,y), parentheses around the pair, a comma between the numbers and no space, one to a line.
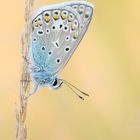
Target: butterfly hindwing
(56,33)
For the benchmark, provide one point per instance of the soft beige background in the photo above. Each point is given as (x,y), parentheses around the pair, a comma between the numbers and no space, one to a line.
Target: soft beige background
(106,62)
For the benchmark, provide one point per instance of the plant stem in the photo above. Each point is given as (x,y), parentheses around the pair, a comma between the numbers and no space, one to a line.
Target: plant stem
(21,110)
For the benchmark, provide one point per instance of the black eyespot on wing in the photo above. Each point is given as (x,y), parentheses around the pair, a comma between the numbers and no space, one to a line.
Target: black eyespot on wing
(47,31)
(58,60)
(43,48)
(53,27)
(67,38)
(61,26)
(67,49)
(49,52)
(66,28)
(40,32)
(57,45)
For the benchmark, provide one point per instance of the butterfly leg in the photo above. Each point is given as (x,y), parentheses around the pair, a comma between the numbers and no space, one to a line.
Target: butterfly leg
(35,88)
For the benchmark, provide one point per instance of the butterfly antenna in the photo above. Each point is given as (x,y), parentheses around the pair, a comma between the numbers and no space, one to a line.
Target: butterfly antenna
(75,87)
(70,86)
(73,91)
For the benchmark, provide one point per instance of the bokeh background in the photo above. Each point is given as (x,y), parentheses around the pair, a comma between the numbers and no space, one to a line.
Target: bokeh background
(106,65)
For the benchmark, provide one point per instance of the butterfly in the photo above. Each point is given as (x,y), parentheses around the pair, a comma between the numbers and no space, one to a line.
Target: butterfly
(56,31)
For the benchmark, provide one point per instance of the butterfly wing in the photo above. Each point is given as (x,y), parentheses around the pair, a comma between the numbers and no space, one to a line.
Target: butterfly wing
(56,32)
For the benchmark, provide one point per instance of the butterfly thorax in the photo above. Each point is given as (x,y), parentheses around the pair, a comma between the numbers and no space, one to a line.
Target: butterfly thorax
(42,78)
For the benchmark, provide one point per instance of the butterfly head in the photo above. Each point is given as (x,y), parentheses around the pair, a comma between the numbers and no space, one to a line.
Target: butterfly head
(42,80)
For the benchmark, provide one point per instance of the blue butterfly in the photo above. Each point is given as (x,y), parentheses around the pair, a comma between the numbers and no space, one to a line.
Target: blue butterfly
(56,32)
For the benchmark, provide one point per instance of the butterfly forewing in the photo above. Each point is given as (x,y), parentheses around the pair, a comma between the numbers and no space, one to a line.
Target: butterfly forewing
(56,33)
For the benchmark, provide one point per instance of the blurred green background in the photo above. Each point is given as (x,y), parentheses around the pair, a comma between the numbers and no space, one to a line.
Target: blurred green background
(106,65)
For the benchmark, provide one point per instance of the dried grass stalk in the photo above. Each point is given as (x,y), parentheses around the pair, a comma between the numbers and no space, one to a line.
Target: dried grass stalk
(21,109)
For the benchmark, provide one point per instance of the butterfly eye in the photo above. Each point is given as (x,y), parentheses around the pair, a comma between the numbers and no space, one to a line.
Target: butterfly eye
(47,16)
(64,14)
(56,83)
(71,17)
(81,9)
(56,14)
